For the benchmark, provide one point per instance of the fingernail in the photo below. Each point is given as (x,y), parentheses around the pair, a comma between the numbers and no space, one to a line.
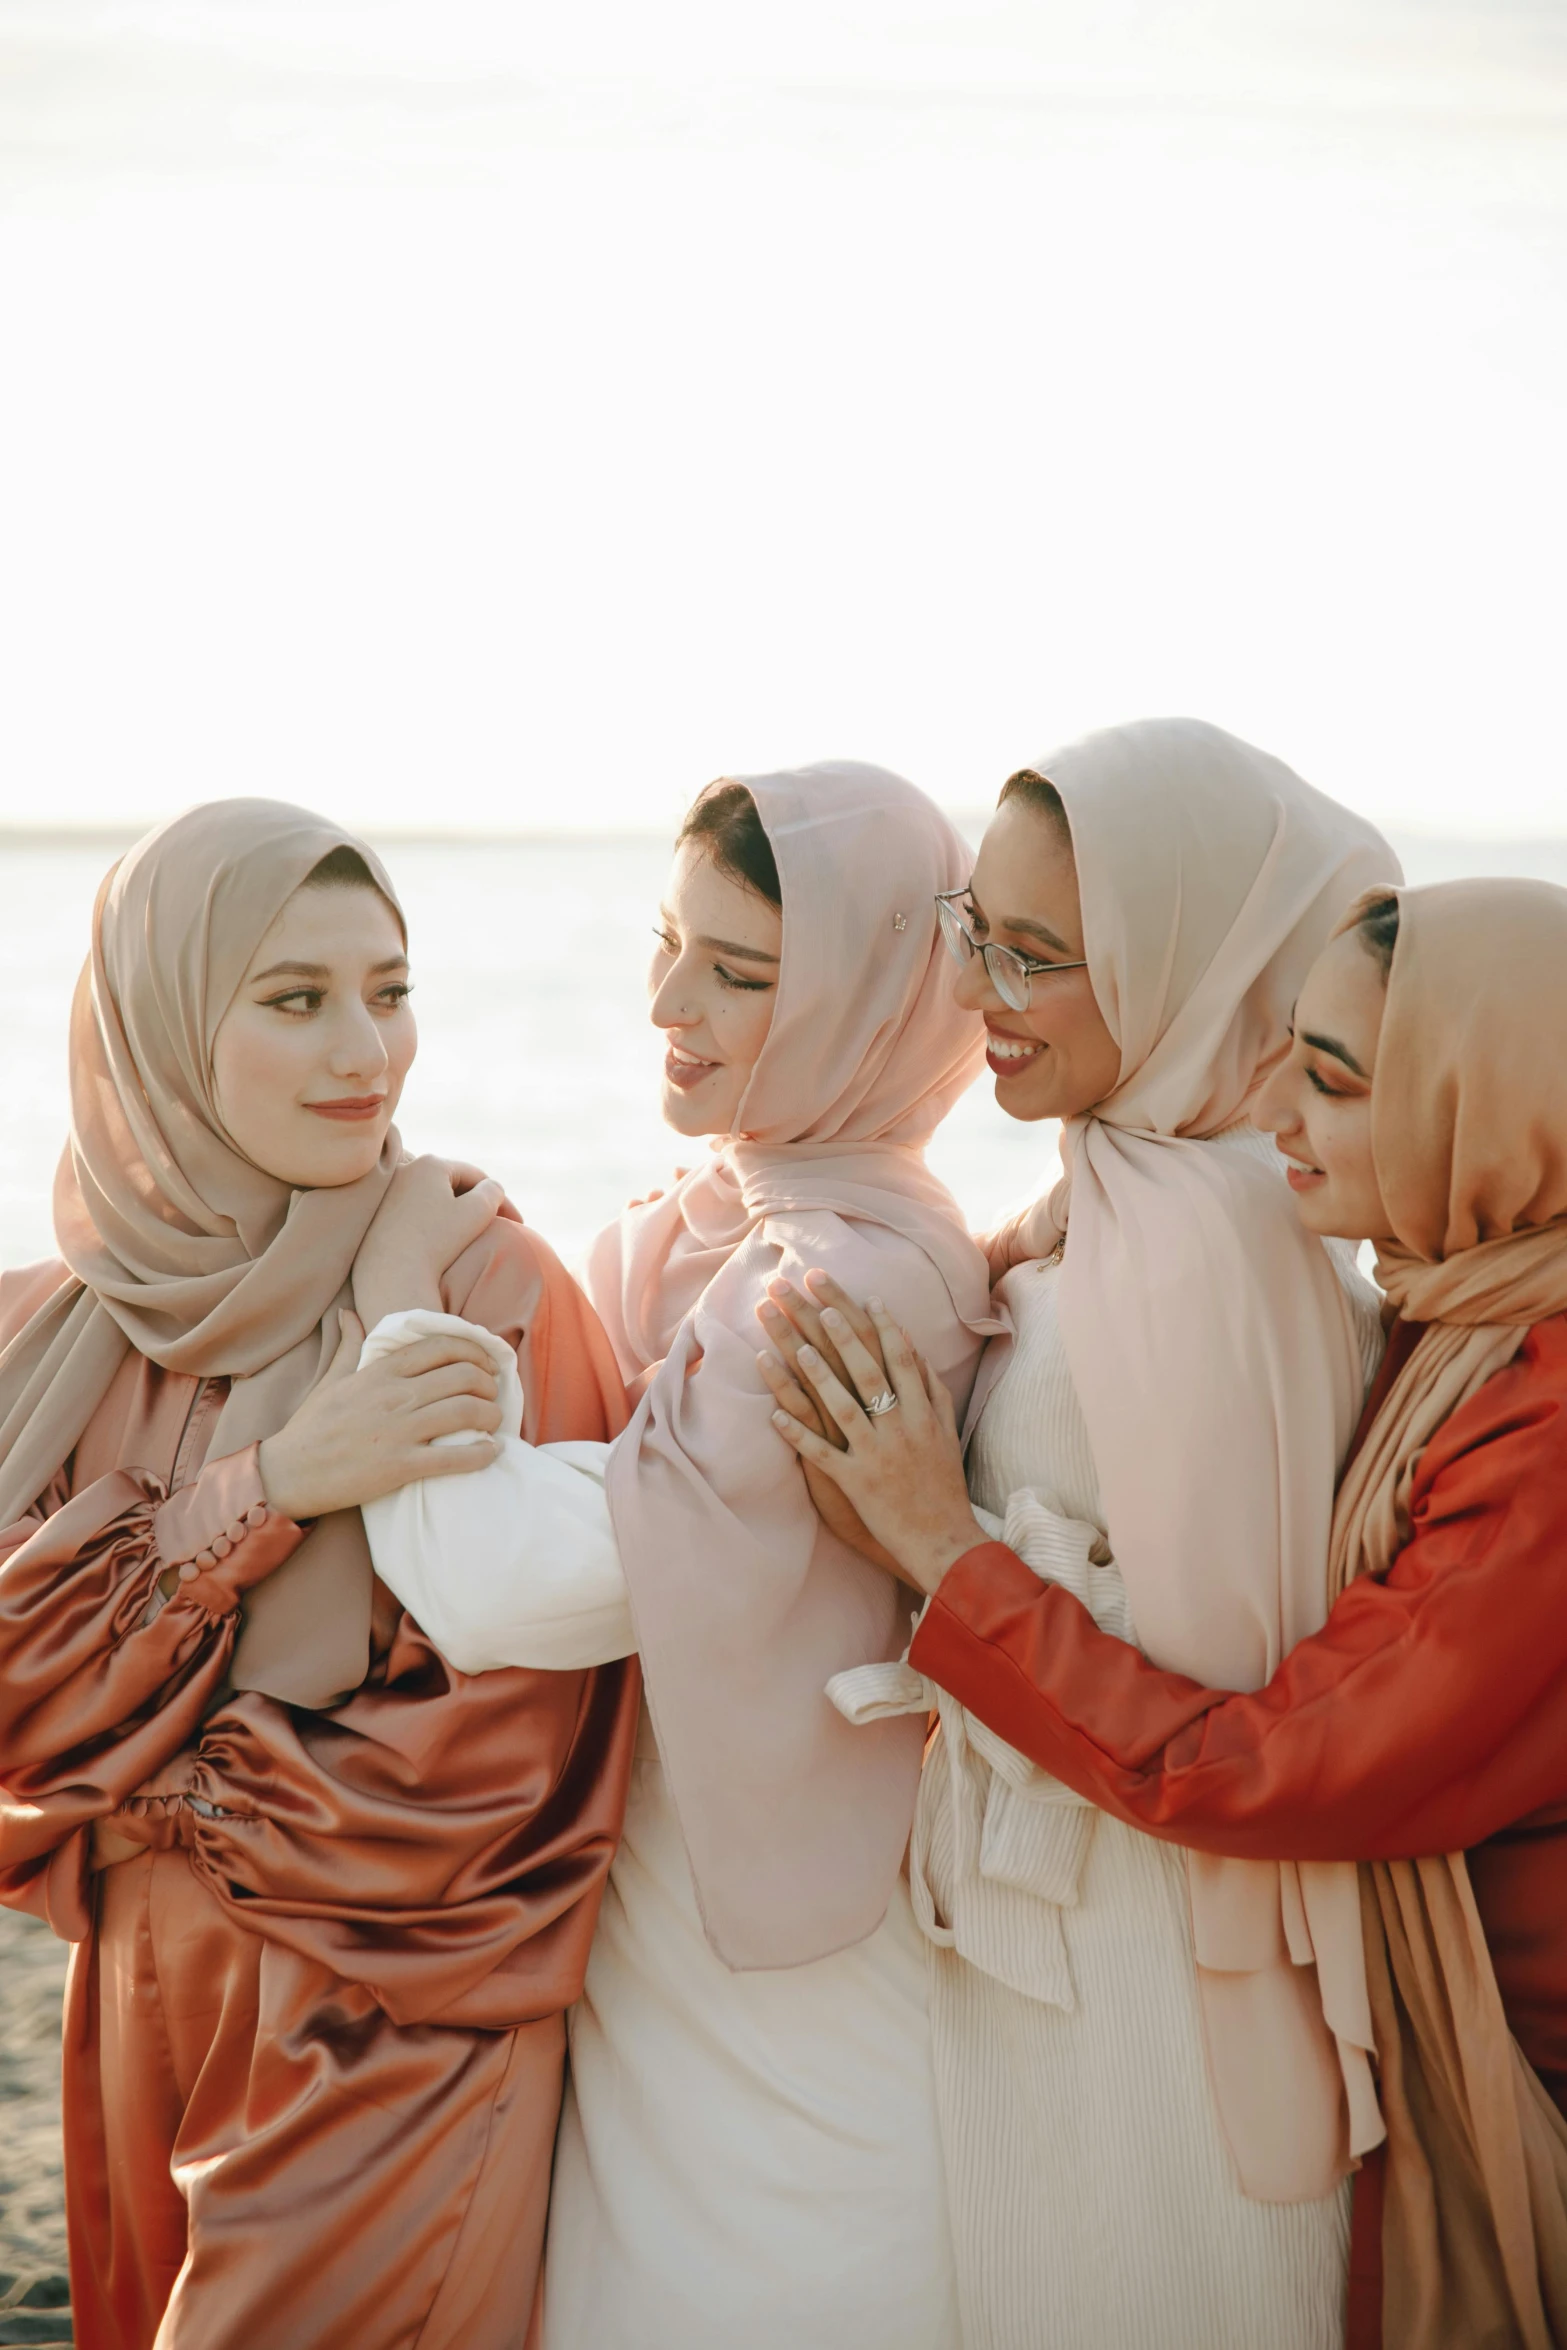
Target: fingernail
(780,1419)
(874,1305)
(808,1354)
(833,1319)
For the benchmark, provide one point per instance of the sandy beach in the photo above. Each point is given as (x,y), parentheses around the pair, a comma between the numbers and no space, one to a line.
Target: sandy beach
(33,2290)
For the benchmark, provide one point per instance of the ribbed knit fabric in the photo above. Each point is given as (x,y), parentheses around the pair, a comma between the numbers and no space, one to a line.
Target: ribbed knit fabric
(1094,2202)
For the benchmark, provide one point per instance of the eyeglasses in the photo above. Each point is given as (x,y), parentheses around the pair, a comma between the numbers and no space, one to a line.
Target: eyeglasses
(1011,974)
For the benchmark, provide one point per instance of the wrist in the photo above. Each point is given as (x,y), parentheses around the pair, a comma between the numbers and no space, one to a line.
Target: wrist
(277,1487)
(398,1288)
(929,1560)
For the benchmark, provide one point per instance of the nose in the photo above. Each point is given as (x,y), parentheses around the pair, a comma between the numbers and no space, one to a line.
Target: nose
(358,1047)
(973,988)
(1275,1110)
(666,1010)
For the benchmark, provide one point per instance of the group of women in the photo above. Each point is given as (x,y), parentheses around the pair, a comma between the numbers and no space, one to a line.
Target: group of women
(843,1783)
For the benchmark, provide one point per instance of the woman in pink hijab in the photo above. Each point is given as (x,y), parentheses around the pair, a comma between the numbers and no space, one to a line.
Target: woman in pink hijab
(750,2152)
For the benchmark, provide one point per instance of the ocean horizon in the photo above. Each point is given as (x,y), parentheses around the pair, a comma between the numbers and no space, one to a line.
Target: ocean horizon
(536,1057)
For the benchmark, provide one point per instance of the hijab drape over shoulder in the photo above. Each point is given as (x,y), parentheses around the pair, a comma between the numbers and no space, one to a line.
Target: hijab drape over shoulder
(1469,1137)
(179,1245)
(745,1606)
(1214,1350)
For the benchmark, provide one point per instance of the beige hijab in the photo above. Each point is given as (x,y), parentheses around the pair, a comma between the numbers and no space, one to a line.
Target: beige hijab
(1214,1351)
(178,1245)
(1469,1135)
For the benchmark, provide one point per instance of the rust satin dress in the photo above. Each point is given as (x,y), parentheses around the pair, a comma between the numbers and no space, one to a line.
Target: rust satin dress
(1428,1715)
(314,2018)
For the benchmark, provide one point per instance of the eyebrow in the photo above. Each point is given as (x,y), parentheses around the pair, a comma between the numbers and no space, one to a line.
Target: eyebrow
(1339,1052)
(1035,930)
(725,946)
(321,970)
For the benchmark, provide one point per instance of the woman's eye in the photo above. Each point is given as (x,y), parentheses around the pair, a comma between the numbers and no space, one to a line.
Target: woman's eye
(1333,1092)
(733,979)
(391,998)
(667,940)
(299,1002)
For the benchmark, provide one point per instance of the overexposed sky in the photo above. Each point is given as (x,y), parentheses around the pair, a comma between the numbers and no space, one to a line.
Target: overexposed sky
(482,414)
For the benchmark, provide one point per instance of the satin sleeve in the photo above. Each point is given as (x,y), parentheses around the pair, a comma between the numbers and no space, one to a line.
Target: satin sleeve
(118,1615)
(513,1564)
(1428,1714)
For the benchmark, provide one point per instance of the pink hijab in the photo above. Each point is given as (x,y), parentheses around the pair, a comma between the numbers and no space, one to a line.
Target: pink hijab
(745,1605)
(1214,1350)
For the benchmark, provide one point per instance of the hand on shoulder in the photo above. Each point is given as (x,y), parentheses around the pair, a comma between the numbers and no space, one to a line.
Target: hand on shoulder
(434,1209)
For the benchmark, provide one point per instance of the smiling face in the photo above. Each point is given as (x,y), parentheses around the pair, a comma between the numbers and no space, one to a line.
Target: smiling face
(309,1059)
(1317,1103)
(1058,1058)
(713,984)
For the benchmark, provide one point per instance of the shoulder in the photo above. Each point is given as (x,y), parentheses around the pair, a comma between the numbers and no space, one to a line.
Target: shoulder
(23,1291)
(1505,1449)
(511,1282)
(504,1278)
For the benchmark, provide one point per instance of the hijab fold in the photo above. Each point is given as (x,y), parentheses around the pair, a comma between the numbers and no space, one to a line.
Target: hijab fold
(745,1605)
(176,1244)
(1215,1352)
(1469,1138)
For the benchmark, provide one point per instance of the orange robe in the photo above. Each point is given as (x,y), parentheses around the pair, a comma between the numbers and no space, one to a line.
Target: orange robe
(314,2018)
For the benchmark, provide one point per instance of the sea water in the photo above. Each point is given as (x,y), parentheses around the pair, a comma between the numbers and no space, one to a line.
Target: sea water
(536,1056)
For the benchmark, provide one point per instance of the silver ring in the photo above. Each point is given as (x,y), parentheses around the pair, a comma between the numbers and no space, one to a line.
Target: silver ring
(886,1401)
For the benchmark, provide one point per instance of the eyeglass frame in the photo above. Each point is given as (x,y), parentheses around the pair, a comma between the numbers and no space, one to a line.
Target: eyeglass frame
(1009,959)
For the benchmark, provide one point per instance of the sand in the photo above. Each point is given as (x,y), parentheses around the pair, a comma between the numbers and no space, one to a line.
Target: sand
(34,2296)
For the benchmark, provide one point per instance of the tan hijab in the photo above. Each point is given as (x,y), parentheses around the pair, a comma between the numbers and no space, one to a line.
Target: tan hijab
(1215,1352)
(1469,1135)
(178,1245)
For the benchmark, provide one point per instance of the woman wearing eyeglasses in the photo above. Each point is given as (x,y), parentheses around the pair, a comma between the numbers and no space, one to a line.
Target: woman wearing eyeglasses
(1152,2065)
(750,2153)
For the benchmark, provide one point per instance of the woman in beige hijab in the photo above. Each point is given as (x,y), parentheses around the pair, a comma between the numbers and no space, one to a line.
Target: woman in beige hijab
(1422,1109)
(327,1900)
(1153,2066)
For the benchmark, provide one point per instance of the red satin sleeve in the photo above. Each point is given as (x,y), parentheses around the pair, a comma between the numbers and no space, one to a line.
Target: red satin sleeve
(1428,1714)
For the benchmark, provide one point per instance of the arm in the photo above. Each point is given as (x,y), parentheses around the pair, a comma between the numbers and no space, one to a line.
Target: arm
(516,1564)
(1429,1712)
(117,1618)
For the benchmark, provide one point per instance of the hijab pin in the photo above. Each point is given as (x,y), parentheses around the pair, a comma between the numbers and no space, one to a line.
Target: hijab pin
(900,922)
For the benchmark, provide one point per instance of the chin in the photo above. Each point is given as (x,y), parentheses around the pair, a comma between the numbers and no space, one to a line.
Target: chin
(329,1170)
(1025,1102)
(688,1116)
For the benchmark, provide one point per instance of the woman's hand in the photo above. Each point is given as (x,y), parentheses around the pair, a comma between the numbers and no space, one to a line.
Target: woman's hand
(1032,1232)
(433,1210)
(901,1468)
(359,1434)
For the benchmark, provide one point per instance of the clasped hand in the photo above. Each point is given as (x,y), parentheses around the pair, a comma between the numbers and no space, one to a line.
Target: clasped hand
(362,1433)
(892,1483)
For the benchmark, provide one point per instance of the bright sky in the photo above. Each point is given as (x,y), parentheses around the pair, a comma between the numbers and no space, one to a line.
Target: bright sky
(494,414)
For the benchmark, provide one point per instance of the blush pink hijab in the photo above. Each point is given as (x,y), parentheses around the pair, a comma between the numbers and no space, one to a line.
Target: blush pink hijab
(745,1605)
(1214,1350)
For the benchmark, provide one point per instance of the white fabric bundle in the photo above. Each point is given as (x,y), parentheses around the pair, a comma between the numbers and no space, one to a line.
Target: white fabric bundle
(520,1565)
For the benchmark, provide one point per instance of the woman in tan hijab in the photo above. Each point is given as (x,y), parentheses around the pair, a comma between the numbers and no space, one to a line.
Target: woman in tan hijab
(327,1898)
(1423,1730)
